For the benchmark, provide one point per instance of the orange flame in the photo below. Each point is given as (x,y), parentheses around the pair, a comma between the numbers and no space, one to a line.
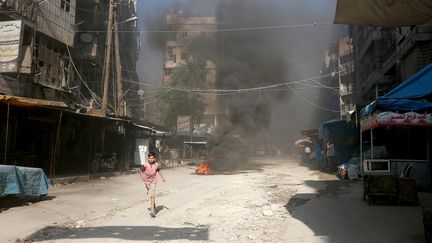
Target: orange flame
(203,169)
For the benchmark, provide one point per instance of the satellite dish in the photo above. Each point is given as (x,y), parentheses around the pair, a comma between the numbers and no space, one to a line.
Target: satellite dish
(86,37)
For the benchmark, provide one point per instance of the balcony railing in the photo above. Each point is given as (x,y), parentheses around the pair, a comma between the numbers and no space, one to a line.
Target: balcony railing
(346,89)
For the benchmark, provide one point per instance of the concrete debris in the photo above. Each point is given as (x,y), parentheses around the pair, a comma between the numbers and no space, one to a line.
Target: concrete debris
(251,237)
(268,213)
(80,223)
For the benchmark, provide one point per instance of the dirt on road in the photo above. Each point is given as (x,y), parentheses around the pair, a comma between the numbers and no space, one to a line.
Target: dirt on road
(276,200)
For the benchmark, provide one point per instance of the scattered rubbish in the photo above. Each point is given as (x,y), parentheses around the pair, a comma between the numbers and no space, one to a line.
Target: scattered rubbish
(115,199)
(102,177)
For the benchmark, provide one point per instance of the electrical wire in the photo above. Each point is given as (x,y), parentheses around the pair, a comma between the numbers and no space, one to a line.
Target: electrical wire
(247,89)
(272,27)
(310,102)
(95,97)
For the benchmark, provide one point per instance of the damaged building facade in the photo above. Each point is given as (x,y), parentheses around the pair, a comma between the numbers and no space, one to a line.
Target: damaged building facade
(387,56)
(177,52)
(51,89)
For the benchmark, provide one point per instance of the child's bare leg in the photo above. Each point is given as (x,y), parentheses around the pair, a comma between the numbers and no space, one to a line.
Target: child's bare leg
(151,199)
(152,208)
(152,202)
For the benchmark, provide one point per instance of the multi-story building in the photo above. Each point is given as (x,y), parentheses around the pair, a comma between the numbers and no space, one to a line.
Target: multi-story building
(90,53)
(385,57)
(329,97)
(369,50)
(42,64)
(187,30)
(346,78)
(51,60)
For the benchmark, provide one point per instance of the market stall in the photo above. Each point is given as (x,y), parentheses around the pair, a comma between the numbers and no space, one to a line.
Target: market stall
(395,131)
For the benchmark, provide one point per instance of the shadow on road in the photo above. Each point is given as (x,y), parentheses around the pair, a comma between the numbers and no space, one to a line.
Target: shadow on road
(160,208)
(336,210)
(138,233)
(7,203)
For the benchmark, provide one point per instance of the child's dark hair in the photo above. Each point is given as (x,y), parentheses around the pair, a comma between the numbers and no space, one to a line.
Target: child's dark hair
(152,154)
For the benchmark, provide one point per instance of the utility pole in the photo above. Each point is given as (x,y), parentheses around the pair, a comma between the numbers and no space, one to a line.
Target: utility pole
(119,91)
(120,108)
(107,59)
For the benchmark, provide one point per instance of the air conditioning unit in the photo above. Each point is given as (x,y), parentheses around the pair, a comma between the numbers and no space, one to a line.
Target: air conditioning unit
(376,165)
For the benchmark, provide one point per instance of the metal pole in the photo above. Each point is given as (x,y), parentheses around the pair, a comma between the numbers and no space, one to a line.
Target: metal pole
(107,59)
(371,137)
(7,132)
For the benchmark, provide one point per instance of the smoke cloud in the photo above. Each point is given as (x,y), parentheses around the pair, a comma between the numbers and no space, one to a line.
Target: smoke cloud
(254,57)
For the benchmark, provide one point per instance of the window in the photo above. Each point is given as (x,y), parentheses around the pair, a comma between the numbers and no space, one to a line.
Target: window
(171,52)
(184,35)
(65,4)
(184,56)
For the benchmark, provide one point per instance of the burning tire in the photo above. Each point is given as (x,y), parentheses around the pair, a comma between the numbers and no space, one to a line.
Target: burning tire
(203,169)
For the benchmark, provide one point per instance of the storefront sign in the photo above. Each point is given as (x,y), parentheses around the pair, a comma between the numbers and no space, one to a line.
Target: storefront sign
(396,119)
(10,42)
(183,124)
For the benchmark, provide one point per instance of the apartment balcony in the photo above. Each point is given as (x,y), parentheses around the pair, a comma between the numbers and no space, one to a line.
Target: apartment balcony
(346,70)
(345,90)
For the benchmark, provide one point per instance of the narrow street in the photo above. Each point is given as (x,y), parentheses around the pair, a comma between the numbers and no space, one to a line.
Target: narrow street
(272,200)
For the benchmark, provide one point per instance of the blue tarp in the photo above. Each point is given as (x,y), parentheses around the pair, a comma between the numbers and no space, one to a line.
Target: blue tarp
(407,96)
(23,181)
(329,123)
(416,87)
(340,132)
(396,105)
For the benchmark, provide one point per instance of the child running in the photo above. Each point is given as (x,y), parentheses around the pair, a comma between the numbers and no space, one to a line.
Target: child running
(150,173)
